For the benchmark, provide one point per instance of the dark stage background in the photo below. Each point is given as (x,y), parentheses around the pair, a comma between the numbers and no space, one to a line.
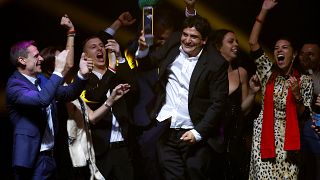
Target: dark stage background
(39,20)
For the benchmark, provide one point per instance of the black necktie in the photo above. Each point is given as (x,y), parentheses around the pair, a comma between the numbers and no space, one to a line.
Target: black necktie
(37,82)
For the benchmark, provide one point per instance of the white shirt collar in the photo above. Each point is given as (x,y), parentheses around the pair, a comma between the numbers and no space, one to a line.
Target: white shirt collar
(31,79)
(187,56)
(99,75)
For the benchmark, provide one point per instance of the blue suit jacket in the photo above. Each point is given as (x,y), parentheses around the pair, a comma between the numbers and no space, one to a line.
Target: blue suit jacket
(27,110)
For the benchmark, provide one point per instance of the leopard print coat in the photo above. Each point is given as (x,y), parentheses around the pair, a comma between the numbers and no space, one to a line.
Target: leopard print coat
(280,167)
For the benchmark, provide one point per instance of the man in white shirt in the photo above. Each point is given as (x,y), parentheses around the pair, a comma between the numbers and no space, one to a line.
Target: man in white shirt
(191,88)
(110,134)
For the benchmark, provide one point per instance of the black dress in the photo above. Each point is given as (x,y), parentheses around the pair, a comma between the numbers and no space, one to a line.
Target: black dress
(237,155)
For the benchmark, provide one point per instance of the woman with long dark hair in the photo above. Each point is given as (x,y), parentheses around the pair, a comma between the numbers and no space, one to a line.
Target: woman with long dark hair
(238,104)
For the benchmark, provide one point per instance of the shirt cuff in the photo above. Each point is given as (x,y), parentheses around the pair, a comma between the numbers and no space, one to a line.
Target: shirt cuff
(196,135)
(57,73)
(121,60)
(80,76)
(112,70)
(188,14)
(110,31)
(141,54)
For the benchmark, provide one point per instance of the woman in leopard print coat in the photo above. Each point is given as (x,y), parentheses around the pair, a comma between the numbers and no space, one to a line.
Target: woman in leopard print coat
(288,96)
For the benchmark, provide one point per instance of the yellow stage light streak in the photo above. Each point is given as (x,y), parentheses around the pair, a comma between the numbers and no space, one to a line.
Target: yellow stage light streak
(80,17)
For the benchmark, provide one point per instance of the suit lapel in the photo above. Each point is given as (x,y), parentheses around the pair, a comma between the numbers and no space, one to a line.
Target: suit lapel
(198,69)
(23,78)
(54,117)
(42,81)
(171,57)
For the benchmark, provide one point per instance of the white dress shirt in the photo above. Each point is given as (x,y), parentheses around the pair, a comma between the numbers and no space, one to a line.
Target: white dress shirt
(177,91)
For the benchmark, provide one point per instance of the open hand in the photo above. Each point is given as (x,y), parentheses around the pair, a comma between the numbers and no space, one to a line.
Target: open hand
(60,62)
(118,92)
(85,65)
(269,4)
(295,87)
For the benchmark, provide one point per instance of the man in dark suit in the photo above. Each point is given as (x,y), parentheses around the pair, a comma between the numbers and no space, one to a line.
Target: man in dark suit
(190,92)
(110,134)
(32,109)
(309,59)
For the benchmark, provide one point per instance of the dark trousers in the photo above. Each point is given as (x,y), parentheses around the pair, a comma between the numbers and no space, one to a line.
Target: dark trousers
(180,160)
(310,168)
(115,164)
(45,169)
(81,173)
(310,153)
